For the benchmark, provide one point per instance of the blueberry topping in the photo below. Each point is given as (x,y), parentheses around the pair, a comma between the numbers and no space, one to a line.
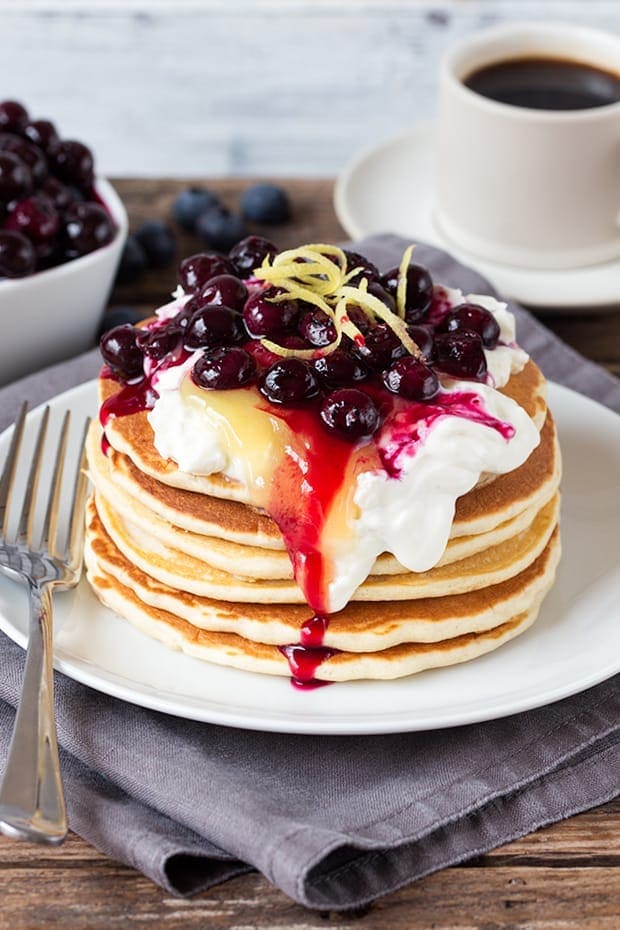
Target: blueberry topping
(87,227)
(350,414)
(158,241)
(190,203)
(160,341)
(133,262)
(368,270)
(121,352)
(250,253)
(460,355)
(382,347)
(225,289)
(339,369)
(474,318)
(359,318)
(197,270)
(317,328)
(265,317)
(411,379)
(184,315)
(17,255)
(423,338)
(265,203)
(381,294)
(212,326)
(289,381)
(419,294)
(224,368)
(220,228)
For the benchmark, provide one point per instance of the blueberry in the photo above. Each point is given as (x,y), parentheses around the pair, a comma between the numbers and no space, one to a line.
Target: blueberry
(121,352)
(190,204)
(133,262)
(350,414)
(220,228)
(265,203)
(158,241)
(74,163)
(17,255)
(289,381)
(87,227)
(117,316)
(224,368)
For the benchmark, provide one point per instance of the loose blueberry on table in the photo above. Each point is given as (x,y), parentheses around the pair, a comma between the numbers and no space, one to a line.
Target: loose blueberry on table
(265,203)
(49,210)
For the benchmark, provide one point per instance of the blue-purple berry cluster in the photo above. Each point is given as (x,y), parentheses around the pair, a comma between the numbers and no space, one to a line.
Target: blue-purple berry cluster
(49,212)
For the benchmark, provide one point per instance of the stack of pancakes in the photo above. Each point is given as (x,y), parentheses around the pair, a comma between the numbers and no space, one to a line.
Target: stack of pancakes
(188,561)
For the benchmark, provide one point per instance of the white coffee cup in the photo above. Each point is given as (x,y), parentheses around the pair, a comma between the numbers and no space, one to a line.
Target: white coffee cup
(527,187)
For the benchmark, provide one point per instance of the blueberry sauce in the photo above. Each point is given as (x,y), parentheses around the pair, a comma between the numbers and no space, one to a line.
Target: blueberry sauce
(141,394)
(410,424)
(302,498)
(440,306)
(312,632)
(303,662)
(132,398)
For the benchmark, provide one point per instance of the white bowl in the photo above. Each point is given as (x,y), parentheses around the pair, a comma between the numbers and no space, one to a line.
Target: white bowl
(54,314)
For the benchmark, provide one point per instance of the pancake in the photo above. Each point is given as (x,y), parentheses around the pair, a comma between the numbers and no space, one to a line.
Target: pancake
(236,651)
(359,627)
(198,576)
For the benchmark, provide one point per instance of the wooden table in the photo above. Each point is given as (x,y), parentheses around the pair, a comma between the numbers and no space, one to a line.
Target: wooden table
(563,877)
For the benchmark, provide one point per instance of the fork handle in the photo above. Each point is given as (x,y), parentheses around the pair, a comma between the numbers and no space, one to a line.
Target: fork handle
(32,804)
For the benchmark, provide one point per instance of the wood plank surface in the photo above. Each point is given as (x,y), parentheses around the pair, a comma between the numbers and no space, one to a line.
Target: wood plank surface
(564,877)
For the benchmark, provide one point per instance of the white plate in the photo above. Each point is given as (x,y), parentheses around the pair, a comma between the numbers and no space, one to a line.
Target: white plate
(390,188)
(575,642)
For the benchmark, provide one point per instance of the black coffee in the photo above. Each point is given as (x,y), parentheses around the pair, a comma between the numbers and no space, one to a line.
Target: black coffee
(546,84)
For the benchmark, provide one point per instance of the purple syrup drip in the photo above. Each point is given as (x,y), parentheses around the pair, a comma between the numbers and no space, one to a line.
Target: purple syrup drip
(303,662)
(439,308)
(410,425)
(312,632)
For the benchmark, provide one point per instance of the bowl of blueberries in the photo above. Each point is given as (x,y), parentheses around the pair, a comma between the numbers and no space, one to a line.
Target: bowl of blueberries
(62,231)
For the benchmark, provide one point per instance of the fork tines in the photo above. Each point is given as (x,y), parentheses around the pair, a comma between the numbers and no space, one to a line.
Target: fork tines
(24,531)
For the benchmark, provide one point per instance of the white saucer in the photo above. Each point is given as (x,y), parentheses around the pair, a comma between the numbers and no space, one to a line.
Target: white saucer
(389,188)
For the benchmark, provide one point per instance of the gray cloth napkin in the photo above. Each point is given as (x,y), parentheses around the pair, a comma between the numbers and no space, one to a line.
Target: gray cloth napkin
(333,821)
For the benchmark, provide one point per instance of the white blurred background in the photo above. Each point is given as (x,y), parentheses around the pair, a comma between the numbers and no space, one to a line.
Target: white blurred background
(243,87)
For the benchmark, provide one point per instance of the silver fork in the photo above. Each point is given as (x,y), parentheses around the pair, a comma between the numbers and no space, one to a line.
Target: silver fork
(32,804)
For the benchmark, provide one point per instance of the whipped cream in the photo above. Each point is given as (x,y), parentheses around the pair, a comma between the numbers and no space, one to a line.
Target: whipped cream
(411,517)
(407,510)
